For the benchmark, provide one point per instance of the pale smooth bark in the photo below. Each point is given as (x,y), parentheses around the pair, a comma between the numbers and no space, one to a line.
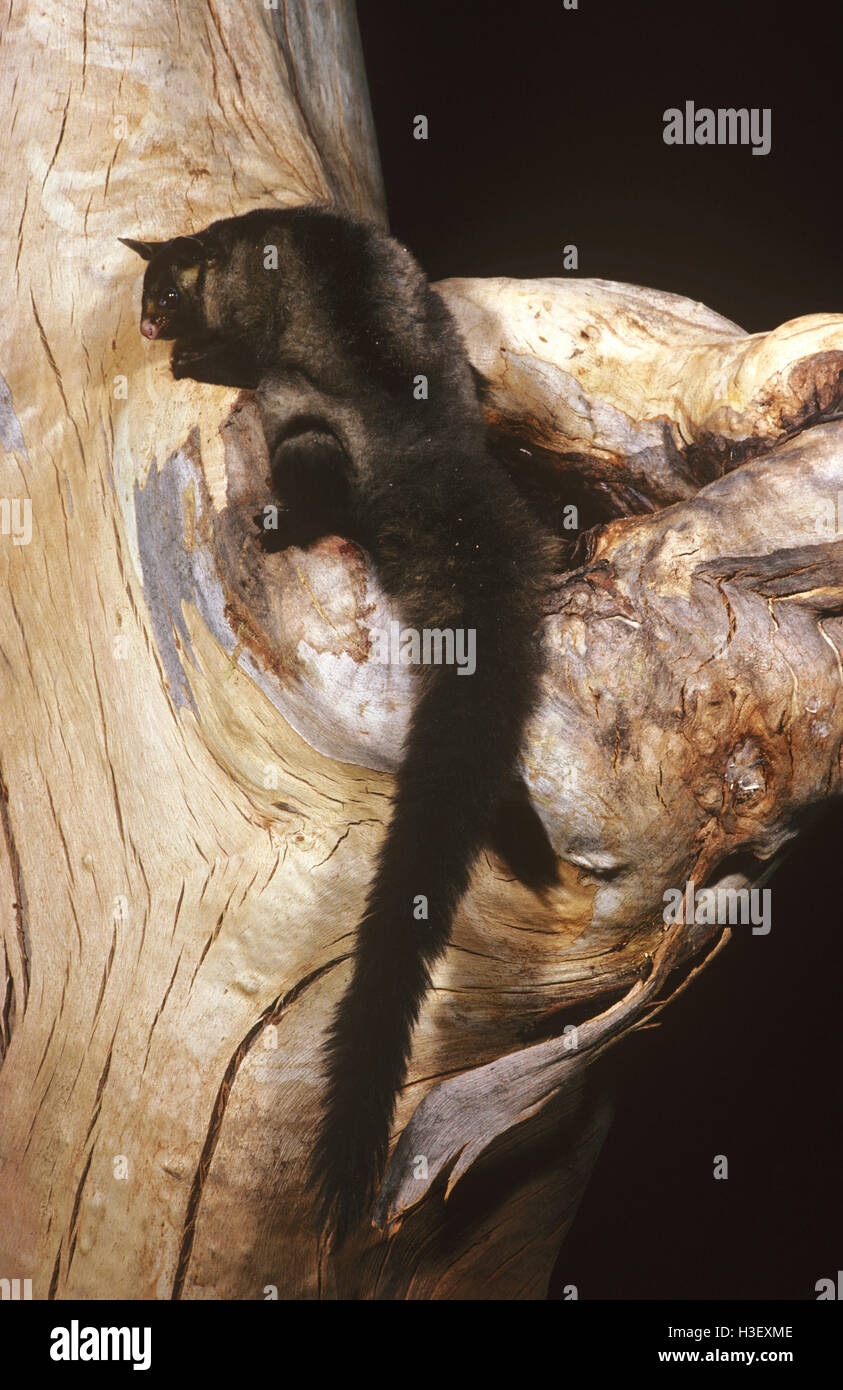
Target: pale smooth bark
(196,750)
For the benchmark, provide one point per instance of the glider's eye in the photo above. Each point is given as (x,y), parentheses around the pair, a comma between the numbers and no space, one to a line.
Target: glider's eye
(168,298)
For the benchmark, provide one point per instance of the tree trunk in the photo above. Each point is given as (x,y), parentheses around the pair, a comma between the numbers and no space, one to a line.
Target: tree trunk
(196,757)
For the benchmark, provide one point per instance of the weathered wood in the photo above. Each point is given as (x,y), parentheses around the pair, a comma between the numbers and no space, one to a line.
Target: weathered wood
(195,768)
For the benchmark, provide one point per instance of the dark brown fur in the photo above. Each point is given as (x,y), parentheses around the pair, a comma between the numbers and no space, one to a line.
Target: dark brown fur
(332,340)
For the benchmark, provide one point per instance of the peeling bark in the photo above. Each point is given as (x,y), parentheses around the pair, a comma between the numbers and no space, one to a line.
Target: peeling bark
(197,751)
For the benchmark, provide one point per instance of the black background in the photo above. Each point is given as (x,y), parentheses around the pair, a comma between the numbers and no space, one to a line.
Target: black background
(546,129)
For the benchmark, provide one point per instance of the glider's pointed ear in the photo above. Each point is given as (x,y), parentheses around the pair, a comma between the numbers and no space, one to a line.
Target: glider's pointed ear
(195,248)
(145,249)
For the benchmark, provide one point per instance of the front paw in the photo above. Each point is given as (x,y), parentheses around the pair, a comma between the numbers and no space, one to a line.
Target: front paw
(184,361)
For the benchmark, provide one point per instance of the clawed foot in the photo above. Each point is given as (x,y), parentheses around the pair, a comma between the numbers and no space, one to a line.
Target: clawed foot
(288,531)
(188,353)
(214,361)
(182,359)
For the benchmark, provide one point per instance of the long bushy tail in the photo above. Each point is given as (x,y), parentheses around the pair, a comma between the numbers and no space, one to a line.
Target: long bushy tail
(461,749)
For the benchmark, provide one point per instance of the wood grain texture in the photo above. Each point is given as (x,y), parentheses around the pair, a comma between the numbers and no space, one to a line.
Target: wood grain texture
(196,753)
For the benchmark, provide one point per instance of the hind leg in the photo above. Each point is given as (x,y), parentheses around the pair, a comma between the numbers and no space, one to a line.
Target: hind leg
(310,476)
(519,837)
